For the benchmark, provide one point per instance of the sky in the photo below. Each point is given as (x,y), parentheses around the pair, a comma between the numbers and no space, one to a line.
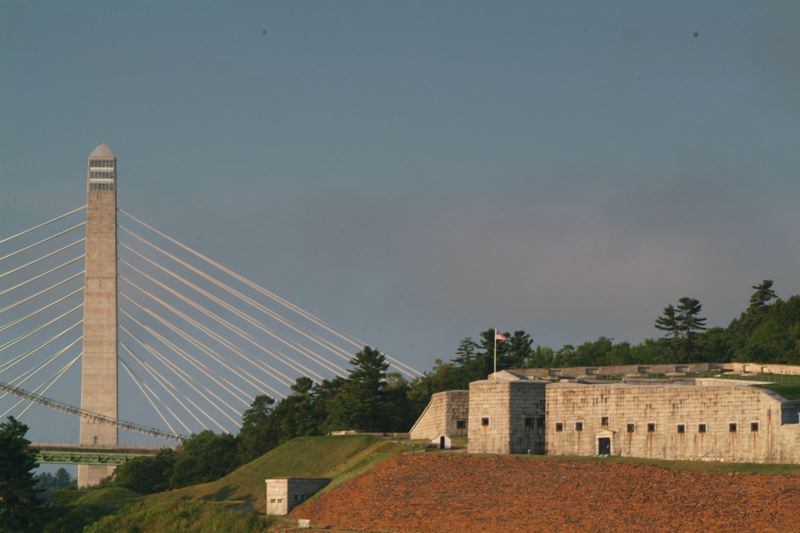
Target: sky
(417,172)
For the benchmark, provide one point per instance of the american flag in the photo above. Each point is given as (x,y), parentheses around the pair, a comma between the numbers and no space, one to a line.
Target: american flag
(500,336)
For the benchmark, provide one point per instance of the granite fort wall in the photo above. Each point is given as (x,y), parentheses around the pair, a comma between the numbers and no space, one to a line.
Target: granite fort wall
(671,421)
(447,412)
(506,416)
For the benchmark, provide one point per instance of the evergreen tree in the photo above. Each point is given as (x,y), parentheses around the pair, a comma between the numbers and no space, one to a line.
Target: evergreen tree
(361,403)
(764,293)
(19,506)
(258,434)
(690,324)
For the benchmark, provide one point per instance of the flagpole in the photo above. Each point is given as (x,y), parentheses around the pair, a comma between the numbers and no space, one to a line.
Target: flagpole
(495,353)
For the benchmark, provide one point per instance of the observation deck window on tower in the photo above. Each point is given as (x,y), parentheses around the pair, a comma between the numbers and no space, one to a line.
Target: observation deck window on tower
(101,163)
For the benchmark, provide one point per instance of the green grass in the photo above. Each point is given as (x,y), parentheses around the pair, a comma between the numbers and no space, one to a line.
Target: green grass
(338,458)
(74,509)
(787,386)
(191,516)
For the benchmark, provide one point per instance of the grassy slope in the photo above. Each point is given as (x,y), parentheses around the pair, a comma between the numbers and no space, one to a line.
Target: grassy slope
(333,457)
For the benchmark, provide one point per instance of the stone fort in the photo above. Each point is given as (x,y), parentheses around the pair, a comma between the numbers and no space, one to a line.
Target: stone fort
(703,419)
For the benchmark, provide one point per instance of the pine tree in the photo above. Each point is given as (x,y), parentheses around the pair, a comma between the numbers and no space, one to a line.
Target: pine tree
(764,293)
(19,506)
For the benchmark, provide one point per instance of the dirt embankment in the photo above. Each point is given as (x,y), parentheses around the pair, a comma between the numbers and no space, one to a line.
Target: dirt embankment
(445,493)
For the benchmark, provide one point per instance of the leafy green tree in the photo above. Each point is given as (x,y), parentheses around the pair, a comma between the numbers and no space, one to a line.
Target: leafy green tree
(764,293)
(297,415)
(203,457)
(258,433)
(19,505)
(147,474)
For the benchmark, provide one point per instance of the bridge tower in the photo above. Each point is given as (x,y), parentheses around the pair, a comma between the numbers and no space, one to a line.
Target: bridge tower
(99,372)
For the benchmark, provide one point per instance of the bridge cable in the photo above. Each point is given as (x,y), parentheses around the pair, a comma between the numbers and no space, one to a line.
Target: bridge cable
(50,238)
(34,295)
(43,224)
(36,312)
(137,381)
(310,354)
(407,369)
(185,397)
(60,373)
(14,360)
(200,346)
(254,303)
(277,354)
(54,252)
(21,338)
(215,336)
(146,368)
(18,285)
(89,415)
(189,359)
(192,360)
(25,376)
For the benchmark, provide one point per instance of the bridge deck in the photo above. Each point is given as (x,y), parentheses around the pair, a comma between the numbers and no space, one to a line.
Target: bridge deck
(74,453)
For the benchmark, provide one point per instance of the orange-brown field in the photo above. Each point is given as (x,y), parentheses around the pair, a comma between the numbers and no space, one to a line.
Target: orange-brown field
(461,493)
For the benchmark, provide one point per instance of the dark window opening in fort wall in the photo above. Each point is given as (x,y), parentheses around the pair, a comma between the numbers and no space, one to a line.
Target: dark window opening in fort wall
(651,427)
(578,426)
(604,421)
(631,428)
(681,428)
(754,426)
(732,427)
(559,426)
(485,421)
(461,424)
(701,428)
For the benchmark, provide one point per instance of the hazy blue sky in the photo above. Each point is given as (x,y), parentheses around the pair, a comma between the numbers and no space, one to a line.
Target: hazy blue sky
(415,172)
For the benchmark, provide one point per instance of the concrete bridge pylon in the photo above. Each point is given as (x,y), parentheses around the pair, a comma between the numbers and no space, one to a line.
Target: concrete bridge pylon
(99,379)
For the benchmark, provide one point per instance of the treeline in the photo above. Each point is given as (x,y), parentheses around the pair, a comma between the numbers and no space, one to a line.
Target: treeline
(373,399)
(369,399)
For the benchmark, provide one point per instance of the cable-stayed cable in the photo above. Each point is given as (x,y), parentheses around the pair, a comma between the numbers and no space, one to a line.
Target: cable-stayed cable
(215,336)
(43,274)
(25,376)
(43,224)
(188,358)
(42,258)
(50,238)
(34,295)
(200,346)
(210,314)
(36,312)
(21,338)
(407,369)
(19,358)
(166,385)
(138,382)
(324,343)
(310,354)
(46,388)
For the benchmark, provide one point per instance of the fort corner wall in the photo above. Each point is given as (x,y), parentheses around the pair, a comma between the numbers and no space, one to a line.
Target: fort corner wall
(447,413)
(284,494)
(507,416)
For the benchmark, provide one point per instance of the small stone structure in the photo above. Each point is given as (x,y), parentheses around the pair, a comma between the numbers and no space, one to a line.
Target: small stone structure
(447,412)
(283,494)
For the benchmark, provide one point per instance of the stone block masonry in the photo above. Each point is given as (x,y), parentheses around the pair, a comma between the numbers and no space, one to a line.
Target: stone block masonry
(283,494)
(732,423)
(447,413)
(507,416)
